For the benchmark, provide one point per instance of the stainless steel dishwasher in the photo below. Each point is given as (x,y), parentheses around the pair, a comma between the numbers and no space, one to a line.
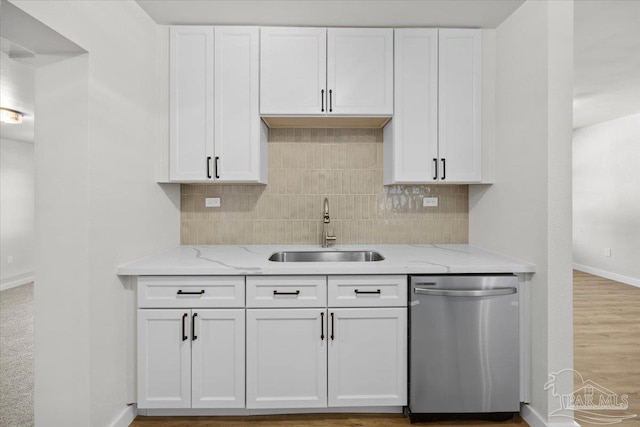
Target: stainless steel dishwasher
(464,340)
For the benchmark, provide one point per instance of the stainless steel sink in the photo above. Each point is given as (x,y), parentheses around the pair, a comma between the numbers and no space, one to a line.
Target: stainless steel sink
(326,256)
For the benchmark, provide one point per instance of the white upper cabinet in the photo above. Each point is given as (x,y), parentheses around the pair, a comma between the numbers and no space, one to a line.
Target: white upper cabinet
(191,102)
(315,71)
(360,71)
(215,130)
(460,120)
(435,135)
(293,70)
(411,139)
(239,146)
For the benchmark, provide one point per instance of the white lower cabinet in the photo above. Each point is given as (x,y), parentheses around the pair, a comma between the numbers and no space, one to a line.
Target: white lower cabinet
(367,357)
(164,359)
(286,358)
(191,358)
(335,357)
(299,353)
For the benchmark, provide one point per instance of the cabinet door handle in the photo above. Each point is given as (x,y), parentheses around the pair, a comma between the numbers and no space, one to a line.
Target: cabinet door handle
(435,170)
(377,291)
(217,168)
(209,167)
(322,100)
(444,168)
(193,327)
(286,293)
(181,292)
(322,326)
(184,334)
(330,100)
(332,327)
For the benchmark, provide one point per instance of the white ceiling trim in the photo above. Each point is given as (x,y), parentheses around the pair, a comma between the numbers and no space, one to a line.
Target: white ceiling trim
(335,13)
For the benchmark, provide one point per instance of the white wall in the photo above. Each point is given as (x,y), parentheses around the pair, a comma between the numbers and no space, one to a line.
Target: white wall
(97,206)
(606,198)
(62,285)
(17,221)
(527,212)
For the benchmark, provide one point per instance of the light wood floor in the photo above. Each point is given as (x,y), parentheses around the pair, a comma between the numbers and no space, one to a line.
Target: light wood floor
(606,337)
(606,350)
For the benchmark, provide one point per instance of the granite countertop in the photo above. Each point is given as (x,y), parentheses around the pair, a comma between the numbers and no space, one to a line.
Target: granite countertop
(253,260)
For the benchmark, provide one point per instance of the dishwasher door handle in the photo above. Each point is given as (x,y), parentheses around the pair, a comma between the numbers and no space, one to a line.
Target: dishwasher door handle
(466,293)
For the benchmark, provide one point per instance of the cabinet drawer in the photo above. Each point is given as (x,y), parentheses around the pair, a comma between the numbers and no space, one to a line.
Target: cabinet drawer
(287,291)
(367,291)
(190,291)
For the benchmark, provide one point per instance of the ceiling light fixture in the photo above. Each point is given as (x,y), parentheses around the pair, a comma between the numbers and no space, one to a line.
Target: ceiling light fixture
(10,116)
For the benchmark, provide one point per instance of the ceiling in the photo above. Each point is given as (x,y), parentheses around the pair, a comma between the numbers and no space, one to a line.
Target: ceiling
(607,60)
(17,92)
(336,13)
(25,44)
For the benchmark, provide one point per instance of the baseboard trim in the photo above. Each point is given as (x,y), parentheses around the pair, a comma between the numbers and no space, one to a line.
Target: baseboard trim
(16,281)
(607,275)
(534,419)
(126,417)
(249,412)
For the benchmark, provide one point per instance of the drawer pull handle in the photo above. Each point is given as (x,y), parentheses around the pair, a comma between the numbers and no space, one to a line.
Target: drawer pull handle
(330,100)
(181,292)
(332,327)
(193,327)
(286,293)
(184,335)
(377,291)
(322,326)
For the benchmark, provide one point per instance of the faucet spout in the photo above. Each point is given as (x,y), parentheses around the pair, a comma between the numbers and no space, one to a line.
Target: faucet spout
(327,239)
(326,217)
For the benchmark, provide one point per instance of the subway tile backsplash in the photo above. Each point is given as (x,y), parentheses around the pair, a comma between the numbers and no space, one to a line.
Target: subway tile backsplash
(306,165)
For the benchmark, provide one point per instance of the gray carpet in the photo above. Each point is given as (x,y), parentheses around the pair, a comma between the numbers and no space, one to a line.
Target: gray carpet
(16,356)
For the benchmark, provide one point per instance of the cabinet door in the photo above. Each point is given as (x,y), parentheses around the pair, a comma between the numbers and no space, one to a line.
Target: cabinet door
(460,133)
(217,358)
(237,118)
(191,103)
(360,71)
(368,357)
(411,151)
(293,70)
(164,359)
(286,358)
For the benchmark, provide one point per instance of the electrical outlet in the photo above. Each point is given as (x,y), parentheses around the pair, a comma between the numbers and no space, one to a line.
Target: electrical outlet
(429,202)
(212,202)
(607,252)
(9,259)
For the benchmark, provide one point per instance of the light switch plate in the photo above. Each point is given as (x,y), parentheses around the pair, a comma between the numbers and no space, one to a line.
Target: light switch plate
(607,252)
(212,202)
(429,202)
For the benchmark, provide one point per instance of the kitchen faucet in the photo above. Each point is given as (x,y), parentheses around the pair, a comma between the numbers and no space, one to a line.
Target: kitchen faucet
(327,239)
